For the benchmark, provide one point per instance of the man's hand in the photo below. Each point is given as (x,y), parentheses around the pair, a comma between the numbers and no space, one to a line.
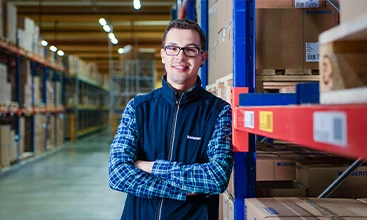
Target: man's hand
(145,166)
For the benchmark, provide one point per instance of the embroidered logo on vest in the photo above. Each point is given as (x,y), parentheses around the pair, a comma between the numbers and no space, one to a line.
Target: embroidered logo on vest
(193,138)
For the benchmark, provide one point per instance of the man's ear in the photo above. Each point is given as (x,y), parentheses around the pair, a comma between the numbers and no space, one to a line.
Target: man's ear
(204,56)
(162,55)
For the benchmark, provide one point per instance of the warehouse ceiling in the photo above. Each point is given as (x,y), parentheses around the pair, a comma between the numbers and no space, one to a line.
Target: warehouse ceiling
(73,26)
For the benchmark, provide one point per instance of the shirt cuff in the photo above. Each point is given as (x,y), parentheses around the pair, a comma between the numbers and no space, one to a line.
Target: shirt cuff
(162,169)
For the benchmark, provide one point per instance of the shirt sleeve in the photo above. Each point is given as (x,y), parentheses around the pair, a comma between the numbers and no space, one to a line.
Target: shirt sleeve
(123,175)
(206,178)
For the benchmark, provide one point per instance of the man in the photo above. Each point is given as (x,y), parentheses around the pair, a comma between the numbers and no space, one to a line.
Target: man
(172,150)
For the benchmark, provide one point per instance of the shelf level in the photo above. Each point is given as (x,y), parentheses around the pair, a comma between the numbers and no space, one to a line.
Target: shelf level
(28,55)
(335,129)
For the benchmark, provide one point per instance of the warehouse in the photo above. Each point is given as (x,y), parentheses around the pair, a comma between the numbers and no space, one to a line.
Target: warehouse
(294,73)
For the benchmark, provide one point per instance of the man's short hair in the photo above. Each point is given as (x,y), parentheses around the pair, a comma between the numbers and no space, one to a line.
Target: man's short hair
(185,24)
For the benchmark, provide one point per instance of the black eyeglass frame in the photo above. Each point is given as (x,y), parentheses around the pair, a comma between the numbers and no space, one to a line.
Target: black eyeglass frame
(183,49)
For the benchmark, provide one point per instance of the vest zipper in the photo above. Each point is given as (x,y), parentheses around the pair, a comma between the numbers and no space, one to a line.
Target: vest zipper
(170,153)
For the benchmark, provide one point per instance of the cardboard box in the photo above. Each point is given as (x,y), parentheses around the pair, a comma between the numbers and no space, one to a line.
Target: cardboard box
(4,145)
(318,176)
(280,189)
(352,9)
(289,3)
(270,169)
(230,210)
(294,208)
(287,38)
(363,200)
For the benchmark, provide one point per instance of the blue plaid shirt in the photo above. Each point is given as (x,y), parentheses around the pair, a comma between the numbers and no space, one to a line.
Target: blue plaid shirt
(169,179)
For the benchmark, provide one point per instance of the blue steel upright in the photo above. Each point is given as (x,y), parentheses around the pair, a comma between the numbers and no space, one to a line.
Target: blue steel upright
(33,73)
(191,10)
(244,75)
(204,26)
(17,99)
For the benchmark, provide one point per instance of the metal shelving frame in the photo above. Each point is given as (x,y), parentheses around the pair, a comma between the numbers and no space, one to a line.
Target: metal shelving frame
(35,62)
(287,112)
(294,123)
(128,79)
(85,119)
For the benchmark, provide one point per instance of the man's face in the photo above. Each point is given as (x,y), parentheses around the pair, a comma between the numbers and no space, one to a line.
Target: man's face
(182,70)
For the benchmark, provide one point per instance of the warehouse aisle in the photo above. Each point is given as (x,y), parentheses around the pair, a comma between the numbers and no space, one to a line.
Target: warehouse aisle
(71,184)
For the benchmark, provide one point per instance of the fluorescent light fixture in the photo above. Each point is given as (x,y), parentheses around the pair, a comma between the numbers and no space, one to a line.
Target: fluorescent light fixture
(127,48)
(111,36)
(102,21)
(44,43)
(60,53)
(137,4)
(114,41)
(53,48)
(106,28)
(120,50)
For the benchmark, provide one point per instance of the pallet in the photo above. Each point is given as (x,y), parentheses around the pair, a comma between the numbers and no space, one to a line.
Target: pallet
(343,55)
(222,88)
(287,72)
(283,81)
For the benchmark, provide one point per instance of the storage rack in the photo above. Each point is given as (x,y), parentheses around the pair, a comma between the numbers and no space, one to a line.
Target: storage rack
(88,110)
(128,79)
(50,73)
(327,128)
(295,118)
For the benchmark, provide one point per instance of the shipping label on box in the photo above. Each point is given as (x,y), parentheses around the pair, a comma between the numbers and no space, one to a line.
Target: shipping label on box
(312,52)
(306,4)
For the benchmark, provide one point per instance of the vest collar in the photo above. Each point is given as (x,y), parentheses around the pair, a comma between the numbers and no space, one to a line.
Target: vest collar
(170,94)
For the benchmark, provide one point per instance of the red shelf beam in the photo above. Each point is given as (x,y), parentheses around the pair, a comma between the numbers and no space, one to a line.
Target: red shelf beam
(28,55)
(338,129)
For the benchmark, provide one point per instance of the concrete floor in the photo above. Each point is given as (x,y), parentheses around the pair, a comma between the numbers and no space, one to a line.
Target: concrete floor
(68,184)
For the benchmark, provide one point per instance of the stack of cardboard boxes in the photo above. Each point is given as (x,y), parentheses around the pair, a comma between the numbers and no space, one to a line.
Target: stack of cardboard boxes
(286,39)
(305,209)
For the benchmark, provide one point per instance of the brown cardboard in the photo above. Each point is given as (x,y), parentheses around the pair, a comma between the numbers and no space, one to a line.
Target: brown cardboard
(318,176)
(266,208)
(230,210)
(225,205)
(230,188)
(280,189)
(4,145)
(363,200)
(21,135)
(279,39)
(281,3)
(269,169)
(351,9)
(315,22)
(282,34)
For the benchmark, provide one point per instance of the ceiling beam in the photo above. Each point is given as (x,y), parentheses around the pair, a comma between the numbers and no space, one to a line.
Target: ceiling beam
(103,48)
(95,17)
(73,36)
(168,3)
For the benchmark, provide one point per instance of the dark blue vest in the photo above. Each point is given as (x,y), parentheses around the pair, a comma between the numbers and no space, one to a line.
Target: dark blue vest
(176,129)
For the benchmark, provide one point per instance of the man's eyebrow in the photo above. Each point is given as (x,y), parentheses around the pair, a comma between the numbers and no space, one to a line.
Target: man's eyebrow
(188,45)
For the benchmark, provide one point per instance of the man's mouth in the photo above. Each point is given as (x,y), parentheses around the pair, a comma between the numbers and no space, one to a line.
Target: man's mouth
(180,67)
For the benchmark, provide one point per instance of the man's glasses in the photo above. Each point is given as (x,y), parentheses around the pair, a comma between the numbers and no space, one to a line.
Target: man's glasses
(188,51)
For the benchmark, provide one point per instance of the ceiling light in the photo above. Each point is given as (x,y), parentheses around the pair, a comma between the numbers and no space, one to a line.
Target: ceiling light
(137,4)
(102,21)
(114,41)
(53,48)
(111,36)
(60,53)
(120,50)
(106,28)
(44,43)
(127,48)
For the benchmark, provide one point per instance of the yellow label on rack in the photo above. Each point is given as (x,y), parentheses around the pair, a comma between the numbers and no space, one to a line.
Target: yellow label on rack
(266,121)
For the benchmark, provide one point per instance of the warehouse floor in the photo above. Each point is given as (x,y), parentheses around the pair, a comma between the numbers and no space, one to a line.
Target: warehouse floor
(71,183)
